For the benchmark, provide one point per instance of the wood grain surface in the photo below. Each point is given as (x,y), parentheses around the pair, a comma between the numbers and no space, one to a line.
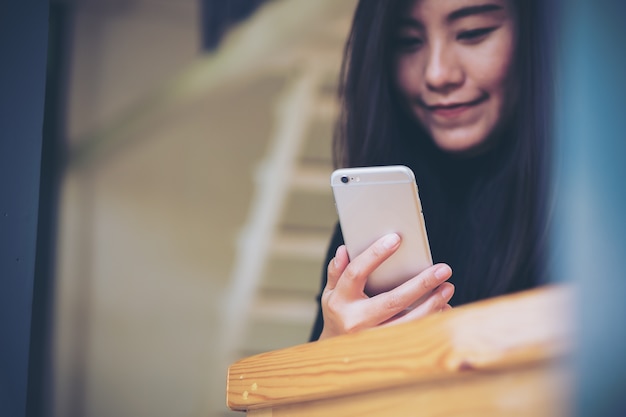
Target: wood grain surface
(518,342)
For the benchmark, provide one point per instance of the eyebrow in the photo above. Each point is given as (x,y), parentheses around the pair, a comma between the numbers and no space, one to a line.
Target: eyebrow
(472,10)
(455,15)
(410,22)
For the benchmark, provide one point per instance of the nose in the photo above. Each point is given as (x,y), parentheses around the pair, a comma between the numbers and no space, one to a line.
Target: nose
(443,72)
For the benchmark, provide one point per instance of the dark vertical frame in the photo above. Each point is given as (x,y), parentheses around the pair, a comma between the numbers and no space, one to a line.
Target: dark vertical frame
(40,397)
(591,223)
(23,45)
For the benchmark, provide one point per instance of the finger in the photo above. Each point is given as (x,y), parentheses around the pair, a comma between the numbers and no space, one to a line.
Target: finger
(436,302)
(386,305)
(354,277)
(336,266)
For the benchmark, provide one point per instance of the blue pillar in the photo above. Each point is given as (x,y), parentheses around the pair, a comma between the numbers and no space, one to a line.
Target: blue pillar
(591,185)
(23,43)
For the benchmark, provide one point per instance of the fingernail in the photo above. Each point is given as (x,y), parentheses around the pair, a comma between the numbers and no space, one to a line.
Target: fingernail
(390,240)
(442,271)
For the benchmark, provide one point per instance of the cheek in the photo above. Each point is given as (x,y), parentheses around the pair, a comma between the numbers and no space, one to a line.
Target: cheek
(493,67)
(406,77)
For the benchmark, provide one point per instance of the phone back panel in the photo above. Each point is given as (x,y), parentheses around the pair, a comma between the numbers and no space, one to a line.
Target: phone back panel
(375,201)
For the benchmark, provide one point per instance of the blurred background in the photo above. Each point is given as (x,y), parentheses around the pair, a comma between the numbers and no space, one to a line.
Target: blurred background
(194,202)
(183,208)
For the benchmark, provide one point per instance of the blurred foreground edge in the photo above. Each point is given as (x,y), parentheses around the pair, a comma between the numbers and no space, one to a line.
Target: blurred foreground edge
(507,356)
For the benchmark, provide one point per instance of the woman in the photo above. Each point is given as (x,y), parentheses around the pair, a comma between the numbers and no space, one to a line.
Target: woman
(456,90)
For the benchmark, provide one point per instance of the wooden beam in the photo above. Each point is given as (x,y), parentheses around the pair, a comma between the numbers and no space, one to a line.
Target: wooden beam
(520,334)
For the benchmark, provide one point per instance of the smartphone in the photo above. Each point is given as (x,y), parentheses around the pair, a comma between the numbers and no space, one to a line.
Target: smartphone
(374,201)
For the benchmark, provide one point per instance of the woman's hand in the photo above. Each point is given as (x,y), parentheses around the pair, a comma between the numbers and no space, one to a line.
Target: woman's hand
(347,309)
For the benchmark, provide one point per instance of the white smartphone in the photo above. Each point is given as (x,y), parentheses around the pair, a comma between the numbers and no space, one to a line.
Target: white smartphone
(374,201)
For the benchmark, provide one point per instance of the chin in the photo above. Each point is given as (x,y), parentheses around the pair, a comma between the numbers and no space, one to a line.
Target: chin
(462,142)
(456,146)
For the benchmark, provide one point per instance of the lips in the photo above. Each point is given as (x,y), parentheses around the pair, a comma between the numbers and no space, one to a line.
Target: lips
(449,110)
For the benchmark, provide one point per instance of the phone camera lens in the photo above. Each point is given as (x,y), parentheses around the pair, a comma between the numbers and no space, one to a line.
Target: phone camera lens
(344,179)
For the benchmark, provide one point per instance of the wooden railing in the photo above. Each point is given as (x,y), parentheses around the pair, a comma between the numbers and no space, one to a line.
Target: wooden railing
(507,356)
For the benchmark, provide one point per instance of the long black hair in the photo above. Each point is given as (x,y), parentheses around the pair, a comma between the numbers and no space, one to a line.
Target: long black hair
(486,214)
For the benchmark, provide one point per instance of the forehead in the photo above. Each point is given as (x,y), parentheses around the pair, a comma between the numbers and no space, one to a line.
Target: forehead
(452,10)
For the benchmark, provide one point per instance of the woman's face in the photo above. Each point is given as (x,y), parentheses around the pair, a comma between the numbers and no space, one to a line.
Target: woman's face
(453,64)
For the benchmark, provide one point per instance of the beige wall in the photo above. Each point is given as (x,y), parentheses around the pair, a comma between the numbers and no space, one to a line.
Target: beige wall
(195,209)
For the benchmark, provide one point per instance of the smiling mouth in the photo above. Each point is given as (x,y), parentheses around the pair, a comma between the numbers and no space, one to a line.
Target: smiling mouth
(454,109)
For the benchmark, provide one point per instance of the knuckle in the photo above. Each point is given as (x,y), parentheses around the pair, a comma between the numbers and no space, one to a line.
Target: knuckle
(427,282)
(352,272)
(333,305)
(351,326)
(378,251)
(392,301)
(339,312)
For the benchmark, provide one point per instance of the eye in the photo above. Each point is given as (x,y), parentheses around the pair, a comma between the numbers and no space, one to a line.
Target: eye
(475,35)
(408,43)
